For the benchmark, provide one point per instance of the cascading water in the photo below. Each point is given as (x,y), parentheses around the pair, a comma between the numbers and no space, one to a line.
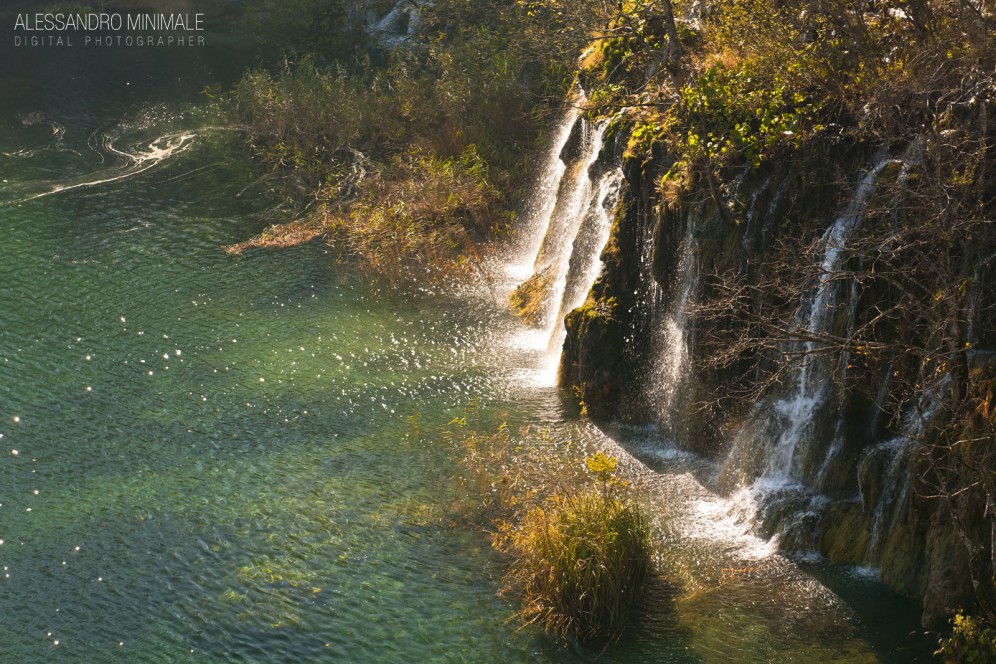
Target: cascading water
(573,200)
(590,239)
(573,206)
(889,502)
(398,26)
(796,412)
(782,459)
(539,209)
(669,316)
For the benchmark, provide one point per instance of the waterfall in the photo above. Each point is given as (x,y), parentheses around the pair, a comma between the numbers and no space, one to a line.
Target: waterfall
(796,411)
(543,199)
(895,453)
(784,457)
(590,239)
(399,25)
(572,206)
(669,324)
(890,462)
(574,199)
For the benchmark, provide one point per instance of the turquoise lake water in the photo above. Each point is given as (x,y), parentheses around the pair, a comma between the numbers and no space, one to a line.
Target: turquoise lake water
(213,458)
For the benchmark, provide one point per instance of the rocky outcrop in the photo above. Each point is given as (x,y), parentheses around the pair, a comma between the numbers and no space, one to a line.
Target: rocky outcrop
(599,362)
(864,485)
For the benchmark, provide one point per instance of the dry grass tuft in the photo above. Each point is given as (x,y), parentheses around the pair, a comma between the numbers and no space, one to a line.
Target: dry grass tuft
(580,551)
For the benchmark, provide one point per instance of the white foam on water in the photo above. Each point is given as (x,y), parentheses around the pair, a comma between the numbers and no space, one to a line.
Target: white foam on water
(728,522)
(138,162)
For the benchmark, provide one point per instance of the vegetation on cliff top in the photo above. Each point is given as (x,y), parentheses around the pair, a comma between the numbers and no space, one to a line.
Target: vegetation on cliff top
(406,151)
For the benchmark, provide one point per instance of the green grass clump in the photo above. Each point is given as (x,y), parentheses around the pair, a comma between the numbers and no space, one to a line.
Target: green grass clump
(580,563)
(579,551)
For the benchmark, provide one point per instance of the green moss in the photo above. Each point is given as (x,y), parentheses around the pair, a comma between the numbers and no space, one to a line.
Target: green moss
(844,533)
(645,133)
(529,300)
(732,115)
(596,309)
(618,125)
(612,253)
(614,52)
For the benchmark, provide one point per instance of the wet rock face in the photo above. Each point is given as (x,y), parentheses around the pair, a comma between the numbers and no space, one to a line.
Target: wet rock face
(596,363)
(586,368)
(843,532)
(946,585)
(863,501)
(871,472)
(574,147)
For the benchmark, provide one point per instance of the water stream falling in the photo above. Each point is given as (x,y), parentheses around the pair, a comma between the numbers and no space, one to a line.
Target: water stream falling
(592,234)
(783,458)
(893,456)
(816,316)
(543,199)
(714,532)
(578,216)
(892,499)
(573,200)
(398,25)
(669,313)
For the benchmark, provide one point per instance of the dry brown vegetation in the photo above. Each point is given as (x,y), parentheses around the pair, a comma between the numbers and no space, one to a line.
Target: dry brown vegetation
(579,550)
(411,161)
(279,236)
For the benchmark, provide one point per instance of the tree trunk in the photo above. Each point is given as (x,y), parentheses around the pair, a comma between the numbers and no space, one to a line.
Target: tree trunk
(673,43)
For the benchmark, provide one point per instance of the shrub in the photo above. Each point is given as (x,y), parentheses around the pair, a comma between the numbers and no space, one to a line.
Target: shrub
(409,161)
(579,548)
(425,218)
(970,641)
(580,563)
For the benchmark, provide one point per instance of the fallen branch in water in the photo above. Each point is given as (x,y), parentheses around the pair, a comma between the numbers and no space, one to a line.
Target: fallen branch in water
(279,236)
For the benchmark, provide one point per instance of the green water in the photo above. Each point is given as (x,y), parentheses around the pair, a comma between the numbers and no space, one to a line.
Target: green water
(212,454)
(211,458)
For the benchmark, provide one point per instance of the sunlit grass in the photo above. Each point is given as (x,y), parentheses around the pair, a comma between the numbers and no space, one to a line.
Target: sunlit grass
(579,550)
(579,564)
